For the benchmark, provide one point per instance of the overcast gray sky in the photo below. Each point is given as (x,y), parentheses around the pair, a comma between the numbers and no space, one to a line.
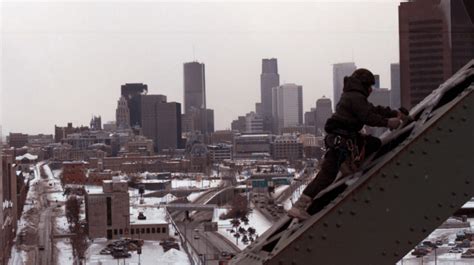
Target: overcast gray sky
(64,61)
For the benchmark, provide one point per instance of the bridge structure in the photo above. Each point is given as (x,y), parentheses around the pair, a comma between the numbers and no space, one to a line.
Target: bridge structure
(190,207)
(422,174)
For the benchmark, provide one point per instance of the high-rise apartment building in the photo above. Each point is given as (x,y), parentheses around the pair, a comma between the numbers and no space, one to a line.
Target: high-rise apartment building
(287,105)
(340,70)
(436,40)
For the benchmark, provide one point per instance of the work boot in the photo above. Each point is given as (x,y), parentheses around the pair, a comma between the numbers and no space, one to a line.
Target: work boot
(299,208)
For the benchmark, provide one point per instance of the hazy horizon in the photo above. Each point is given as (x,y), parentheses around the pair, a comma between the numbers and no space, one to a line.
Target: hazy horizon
(64,62)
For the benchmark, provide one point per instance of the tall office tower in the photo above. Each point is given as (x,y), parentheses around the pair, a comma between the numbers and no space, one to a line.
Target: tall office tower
(323,112)
(287,105)
(377,81)
(194,86)
(436,40)
(132,93)
(122,114)
(340,70)
(253,123)
(238,124)
(310,117)
(197,116)
(258,108)
(268,80)
(379,97)
(395,83)
(96,123)
(161,121)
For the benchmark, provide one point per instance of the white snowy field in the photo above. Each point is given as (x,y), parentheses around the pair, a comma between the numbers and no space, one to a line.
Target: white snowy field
(256,220)
(152,253)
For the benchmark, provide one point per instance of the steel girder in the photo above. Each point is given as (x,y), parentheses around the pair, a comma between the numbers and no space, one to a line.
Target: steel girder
(421,176)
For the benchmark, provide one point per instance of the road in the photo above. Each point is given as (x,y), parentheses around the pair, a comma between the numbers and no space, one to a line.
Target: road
(44,253)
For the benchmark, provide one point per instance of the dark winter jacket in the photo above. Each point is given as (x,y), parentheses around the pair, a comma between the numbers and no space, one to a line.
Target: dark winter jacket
(353,110)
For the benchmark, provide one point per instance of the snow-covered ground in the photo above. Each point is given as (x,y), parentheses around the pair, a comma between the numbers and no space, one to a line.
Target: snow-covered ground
(195,195)
(190,183)
(152,253)
(256,220)
(294,197)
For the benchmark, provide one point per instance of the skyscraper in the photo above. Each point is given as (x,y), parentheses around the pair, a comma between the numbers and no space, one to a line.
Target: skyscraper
(132,93)
(323,112)
(196,117)
(287,105)
(395,85)
(194,86)
(122,114)
(268,80)
(436,40)
(379,97)
(161,121)
(340,70)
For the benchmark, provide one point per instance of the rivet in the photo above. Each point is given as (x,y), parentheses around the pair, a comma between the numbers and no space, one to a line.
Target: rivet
(464,106)
(397,163)
(293,262)
(426,139)
(412,229)
(438,141)
(367,201)
(466,195)
(395,254)
(384,175)
(323,237)
(352,213)
(453,193)
(450,130)
(280,262)
(423,230)
(463,119)
(426,217)
(467,182)
(297,248)
(369,187)
(384,254)
(354,199)
(395,176)
(308,249)
(340,212)
(410,164)
(451,117)
(451,205)
(310,236)
(439,128)
(424,152)
(381,189)
(410,243)
(438,218)
(325,224)
(440,205)
(397,241)
(338,225)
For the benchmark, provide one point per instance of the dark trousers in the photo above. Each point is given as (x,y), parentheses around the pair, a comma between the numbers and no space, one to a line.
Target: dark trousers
(332,161)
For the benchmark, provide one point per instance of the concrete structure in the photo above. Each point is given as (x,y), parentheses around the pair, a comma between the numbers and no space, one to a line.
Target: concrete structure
(287,105)
(436,40)
(323,112)
(161,121)
(340,70)
(132,92)
(140,145)
(122,114)
(107,212)
(287,147)
(219,152)
(17,140)
(269,78)
(40,140)
(238,125)
(395,93)
(252,145)
(253,123)
(222,137)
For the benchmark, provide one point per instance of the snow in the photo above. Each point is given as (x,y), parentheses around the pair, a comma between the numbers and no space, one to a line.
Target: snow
(63,251)
(190,183)
(195,195)
(152,253)
(279,190)
(153,215)
(27,156)
(48,171)
(294,197)
(256,220)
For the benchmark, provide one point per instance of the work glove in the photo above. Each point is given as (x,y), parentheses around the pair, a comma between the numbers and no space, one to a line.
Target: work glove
(394,123)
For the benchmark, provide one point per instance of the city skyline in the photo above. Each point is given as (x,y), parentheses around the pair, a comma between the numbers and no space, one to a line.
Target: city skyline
(306,49)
